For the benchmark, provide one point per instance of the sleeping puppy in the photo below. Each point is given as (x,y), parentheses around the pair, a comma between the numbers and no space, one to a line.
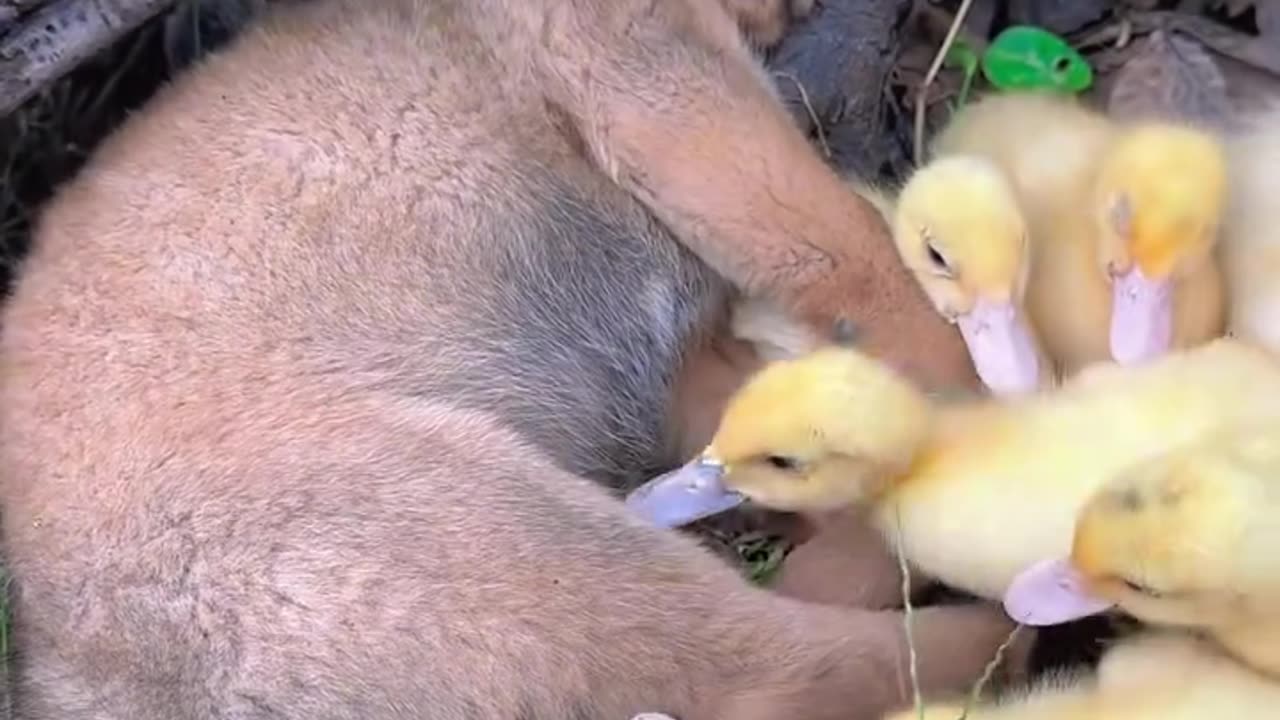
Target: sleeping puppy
(311,382)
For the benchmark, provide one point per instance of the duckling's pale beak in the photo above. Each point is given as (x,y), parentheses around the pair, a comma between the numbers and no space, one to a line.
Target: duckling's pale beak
(1001,346)
(1141,317)
(1051,592)
(691,492)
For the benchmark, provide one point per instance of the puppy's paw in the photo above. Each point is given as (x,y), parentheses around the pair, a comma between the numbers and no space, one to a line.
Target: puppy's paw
(845,563)
(954,644)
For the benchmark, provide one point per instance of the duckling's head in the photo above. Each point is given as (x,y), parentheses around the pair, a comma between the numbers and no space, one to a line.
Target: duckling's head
(1160,192)
(1171,540)
(960,230)
(818,432)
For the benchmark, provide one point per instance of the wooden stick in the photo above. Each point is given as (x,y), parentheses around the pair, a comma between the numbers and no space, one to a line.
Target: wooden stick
(10,10)
(47,43)
(923,93)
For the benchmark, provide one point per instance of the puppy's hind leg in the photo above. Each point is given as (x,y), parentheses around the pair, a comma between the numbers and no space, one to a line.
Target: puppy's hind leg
(398,563)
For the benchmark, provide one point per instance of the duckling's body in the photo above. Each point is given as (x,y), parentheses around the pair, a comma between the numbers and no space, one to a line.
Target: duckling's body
(1050,169)
(1047,145)
(982,490)
(997,487)
(1191,538)
(1121,221)
(1251,232)
(1254,640)
(1153,676)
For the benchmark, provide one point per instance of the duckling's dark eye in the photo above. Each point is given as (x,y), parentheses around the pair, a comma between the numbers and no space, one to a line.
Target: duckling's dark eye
(1140,588)
(935,256)
(782,462)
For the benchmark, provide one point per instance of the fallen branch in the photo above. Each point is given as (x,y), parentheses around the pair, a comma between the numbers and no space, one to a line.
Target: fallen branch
(11,10)
(922,95)
(831,71)
(47,43)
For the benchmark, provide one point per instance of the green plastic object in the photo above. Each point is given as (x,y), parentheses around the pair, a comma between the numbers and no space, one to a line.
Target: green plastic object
(1024,57)
(962,56)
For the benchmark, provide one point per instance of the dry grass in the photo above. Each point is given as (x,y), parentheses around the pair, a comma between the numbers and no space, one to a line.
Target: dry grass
(988,672)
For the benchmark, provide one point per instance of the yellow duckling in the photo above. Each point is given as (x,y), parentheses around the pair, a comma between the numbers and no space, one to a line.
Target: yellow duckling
(1161,191)
(1251,231)
(842,424)
(983,489)
(1189,538)
(1122,222)
(959,229)
(1152,676)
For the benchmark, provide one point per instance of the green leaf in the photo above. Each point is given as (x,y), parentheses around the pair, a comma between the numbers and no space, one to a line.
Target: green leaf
(762,556)
(962,56)
(1029,58)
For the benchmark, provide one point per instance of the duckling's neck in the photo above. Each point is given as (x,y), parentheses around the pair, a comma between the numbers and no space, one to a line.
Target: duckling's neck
(966,424)
(1254,641)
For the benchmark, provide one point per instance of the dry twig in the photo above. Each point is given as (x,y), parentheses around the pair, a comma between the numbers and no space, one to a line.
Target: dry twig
(908,615)
(813,114)
(923,91)
(989,671)
(50,42)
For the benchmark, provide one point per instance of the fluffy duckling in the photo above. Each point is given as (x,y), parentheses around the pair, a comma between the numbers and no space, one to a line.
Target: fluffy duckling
(828,454)
(1251,231)
(982,489)
(1046,144)
(959,229)
(1152,676)
(1188,538)
(1161,192)
(1122,221)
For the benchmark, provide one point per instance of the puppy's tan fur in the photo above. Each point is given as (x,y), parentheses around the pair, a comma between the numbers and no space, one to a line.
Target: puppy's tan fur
(310,373)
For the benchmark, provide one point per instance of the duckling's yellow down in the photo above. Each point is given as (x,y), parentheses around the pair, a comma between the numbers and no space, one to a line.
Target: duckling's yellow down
(1192,538)
(1153,676)
(1251,233)
(999,484)
(1102,200)
(982,489)
(960,230)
